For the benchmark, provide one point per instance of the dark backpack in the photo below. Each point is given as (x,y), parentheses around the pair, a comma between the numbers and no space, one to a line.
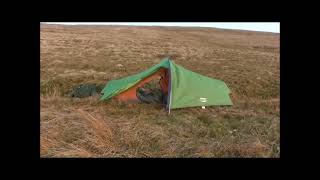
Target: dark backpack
(84,90)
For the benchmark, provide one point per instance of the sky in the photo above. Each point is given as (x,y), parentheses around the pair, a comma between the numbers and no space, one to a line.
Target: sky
(252,26)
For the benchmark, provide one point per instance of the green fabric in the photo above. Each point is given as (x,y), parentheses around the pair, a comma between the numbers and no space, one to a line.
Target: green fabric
(188,89)
(115,87)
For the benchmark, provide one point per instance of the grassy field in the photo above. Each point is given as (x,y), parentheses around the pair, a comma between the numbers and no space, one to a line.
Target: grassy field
(72,127)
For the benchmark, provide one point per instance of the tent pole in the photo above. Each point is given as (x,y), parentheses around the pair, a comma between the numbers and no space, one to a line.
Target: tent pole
(170,87)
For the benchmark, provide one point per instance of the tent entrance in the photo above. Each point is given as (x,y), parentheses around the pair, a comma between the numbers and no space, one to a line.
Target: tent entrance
(158,80)
(151,92)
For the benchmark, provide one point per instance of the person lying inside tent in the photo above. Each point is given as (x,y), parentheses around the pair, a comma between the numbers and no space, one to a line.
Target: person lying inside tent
(151,95)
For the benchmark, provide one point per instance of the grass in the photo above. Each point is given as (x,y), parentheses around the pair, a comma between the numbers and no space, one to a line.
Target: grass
(74,127)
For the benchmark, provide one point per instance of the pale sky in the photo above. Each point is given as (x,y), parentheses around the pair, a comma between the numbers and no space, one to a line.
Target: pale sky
(253,26)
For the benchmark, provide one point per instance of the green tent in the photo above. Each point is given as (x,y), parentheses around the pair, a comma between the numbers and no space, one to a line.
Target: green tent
(185,88)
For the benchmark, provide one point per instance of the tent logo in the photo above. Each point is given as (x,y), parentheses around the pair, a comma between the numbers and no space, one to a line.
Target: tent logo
(203,99)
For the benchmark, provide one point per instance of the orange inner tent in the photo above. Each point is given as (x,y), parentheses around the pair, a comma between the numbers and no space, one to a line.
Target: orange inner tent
(130,94)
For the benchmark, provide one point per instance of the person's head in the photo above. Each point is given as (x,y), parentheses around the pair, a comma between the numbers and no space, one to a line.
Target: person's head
(146,90)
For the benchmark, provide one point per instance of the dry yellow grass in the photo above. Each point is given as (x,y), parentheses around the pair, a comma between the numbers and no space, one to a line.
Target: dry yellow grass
(247,61)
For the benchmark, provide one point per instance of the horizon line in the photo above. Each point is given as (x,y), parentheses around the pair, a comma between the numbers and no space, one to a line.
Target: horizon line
(171,24)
